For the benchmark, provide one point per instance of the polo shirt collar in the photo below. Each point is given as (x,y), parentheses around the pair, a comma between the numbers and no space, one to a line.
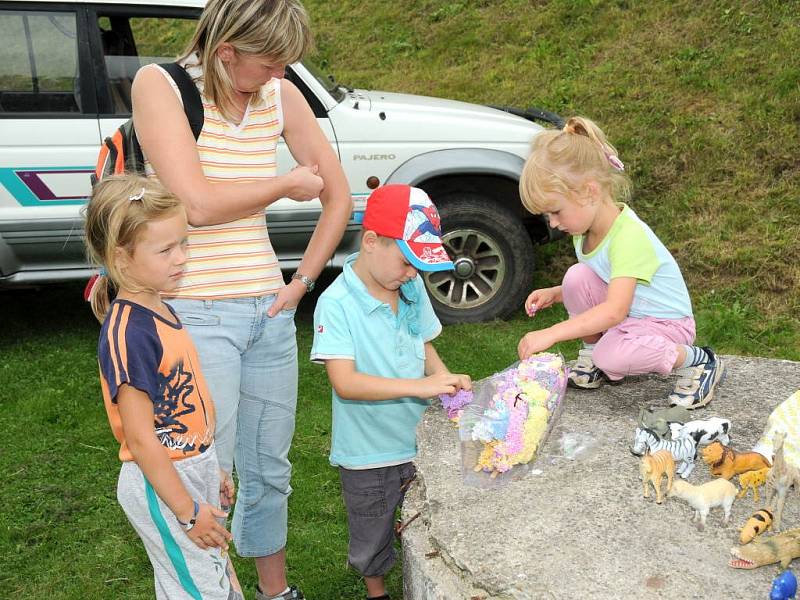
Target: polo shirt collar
(359,291)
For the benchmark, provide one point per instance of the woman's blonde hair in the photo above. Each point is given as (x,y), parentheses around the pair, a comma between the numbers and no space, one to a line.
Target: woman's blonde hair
(562,161)
(118,211)
(278,29)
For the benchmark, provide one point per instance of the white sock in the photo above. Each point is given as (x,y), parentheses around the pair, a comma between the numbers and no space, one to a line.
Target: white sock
(695,355)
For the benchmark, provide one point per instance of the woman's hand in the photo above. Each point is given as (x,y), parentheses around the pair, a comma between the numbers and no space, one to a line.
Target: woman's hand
(543,298)
(287,297)
(207,532)
(304,183)
(535,341)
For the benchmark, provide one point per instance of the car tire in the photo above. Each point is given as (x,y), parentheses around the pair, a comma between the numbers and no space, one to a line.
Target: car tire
(493,257)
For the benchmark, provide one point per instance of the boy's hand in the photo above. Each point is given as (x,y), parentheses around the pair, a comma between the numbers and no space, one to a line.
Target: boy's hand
(227,491)
(533,342)
(207,532)
(440,383)
(464,382)
(539,299)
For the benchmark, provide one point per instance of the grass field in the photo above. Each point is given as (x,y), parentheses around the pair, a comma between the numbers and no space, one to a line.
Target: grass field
(701,99)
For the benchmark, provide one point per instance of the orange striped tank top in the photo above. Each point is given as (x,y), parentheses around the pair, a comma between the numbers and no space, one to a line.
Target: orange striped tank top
(235,259)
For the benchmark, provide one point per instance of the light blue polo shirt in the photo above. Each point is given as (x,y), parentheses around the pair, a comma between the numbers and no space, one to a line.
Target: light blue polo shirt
(351,324)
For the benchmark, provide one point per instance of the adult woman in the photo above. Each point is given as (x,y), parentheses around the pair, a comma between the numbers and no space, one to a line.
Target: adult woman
(232,296)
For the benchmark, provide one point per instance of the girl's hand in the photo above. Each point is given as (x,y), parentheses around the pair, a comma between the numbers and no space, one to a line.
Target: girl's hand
(539,299)
(207,532)
(287,297)
(533,342)
(304,183)
(227,491)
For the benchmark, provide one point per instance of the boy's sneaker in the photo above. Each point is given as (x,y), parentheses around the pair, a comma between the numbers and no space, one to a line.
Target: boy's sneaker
(292,594)
(583,374)
(384,597)
(696,389)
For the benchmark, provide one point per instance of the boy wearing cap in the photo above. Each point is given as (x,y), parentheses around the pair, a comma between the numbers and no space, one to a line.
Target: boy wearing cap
(372,329)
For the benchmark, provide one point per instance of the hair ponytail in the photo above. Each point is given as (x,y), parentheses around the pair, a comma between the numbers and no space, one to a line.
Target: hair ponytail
(561,162)
(98,295)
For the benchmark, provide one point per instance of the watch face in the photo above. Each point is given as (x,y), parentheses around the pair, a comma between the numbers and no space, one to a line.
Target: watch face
(307,281)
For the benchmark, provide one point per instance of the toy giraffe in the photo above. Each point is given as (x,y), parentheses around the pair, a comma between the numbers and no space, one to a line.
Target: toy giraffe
(781,477)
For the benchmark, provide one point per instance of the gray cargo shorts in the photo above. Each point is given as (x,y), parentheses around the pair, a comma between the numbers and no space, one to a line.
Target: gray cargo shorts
(372,497)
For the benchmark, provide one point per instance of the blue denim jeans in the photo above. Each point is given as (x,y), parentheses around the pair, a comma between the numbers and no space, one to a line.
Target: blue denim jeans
(249,362)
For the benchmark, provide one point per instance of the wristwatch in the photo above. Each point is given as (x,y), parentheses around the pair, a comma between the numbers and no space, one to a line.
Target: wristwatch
(188,526)
(307,281)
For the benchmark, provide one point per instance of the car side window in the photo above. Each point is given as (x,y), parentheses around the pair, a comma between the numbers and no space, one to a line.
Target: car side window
(38,62)
(130,42)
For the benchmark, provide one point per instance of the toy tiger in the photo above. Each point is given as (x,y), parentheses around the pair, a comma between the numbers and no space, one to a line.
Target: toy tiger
(652,468)
(757,524)
(752,480)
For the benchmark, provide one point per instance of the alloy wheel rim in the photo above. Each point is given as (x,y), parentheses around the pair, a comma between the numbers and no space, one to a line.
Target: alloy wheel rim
(479,272)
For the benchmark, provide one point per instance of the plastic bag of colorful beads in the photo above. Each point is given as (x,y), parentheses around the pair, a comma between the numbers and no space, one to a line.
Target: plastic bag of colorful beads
(509,418)
(453,404)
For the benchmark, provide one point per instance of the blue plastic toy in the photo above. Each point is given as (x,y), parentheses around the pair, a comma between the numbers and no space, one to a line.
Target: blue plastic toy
(784,586)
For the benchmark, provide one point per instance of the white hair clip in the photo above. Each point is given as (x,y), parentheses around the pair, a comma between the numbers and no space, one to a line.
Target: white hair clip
(134,197)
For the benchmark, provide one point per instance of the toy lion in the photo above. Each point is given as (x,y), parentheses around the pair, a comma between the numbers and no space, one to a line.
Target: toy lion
(725,462)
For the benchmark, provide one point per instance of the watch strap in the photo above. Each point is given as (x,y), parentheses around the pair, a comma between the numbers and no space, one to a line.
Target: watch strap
(307,281)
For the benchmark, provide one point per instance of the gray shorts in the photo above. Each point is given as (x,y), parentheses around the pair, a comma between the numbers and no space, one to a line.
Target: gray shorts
(372,497)
(181,569)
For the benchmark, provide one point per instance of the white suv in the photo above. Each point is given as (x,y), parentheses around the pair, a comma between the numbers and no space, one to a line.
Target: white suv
(65,75)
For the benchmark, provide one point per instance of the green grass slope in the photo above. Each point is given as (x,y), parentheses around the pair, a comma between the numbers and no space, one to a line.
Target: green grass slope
(702,99)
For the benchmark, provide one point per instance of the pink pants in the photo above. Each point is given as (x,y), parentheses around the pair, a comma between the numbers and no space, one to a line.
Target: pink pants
(637,345)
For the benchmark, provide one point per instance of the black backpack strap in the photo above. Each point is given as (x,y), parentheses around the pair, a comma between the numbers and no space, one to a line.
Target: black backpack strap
(192,104)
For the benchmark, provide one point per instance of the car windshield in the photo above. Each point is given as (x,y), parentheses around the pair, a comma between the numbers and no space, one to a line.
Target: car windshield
(327,80)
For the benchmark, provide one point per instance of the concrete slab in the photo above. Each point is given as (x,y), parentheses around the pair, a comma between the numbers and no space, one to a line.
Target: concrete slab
(581,528)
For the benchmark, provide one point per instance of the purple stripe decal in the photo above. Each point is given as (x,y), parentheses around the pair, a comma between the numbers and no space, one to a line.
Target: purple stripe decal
(40,189)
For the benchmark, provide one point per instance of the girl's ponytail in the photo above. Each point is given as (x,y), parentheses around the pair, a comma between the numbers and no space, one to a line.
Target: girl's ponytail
(98,294)
(587,128)
(561,162)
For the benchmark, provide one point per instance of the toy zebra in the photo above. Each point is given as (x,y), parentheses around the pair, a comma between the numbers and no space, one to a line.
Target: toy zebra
(683,450)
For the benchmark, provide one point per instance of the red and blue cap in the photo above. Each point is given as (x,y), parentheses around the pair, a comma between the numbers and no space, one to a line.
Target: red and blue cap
(406,214)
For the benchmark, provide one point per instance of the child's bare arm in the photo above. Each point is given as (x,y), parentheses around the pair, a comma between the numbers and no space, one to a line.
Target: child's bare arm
(542,298)
(136,413)
(597,319)
(352,385)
